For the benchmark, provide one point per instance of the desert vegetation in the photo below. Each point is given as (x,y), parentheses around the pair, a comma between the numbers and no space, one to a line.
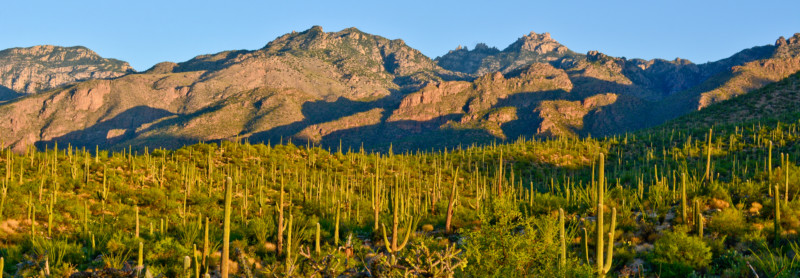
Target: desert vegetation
(717,202)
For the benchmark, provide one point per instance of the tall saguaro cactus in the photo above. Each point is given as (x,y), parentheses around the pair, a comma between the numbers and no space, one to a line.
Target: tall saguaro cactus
(281,227)
(604,265)
(137,222)
(707,176)
(206,244)
(3,193)
(289,244)
(777,200)
(698,219)
(562,262)
(683,199)
(226,230)
(786,170)
(316,241)
(140,257)
(451,204)
(376,197)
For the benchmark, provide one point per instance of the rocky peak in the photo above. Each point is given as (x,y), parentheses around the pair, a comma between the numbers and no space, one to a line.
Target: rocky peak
(594,55)
(42,67)
(786,48)
(353,50)
(780,42)
(537,43)
(794,40)
(791,41)
(529,49)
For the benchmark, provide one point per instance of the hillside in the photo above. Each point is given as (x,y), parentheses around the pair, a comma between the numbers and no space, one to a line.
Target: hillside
(777,101)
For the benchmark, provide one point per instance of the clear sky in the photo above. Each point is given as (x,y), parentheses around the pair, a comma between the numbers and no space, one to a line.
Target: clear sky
(144,33)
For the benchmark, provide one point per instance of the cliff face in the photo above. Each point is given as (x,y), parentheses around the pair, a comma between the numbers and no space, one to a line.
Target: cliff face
(39,68)
(356,88)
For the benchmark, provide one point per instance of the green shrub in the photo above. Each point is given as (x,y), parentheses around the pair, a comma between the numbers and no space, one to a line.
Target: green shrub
(678,254)
(511,245)
(730,222)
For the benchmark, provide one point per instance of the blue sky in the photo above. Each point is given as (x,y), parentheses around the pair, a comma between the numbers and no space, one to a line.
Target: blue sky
(147,32)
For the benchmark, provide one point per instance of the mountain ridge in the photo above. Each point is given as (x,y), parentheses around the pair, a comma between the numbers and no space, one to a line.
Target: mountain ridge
(357,88)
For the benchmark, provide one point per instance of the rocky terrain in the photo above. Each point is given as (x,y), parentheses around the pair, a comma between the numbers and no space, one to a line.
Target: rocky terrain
(357,89)
(40,68)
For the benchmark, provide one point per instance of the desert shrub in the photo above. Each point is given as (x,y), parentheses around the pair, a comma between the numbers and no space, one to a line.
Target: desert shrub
(678,254)
(730,222)
(730,264)
(510,245)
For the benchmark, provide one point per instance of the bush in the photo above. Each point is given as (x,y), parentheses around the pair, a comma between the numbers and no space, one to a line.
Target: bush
(730,222)
(511,245)
(677,254)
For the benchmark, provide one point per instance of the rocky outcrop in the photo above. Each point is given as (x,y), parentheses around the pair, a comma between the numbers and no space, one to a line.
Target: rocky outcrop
(540,44)
(39,68)
(529,49)
(566,118)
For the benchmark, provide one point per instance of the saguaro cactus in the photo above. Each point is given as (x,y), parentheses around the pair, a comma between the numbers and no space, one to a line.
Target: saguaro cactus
(707,176)
(786,193)
(698,220)
(562,236)
(604,265)
(140,257)
(289,244)
(376,199)
(3,193)
(316,241)
(281,227)
(683,199)
(50,215)
(336,228)
(206,244)
(137,222)
(777,200)
(769,160)
(451,204)
(392,246)
(226,230)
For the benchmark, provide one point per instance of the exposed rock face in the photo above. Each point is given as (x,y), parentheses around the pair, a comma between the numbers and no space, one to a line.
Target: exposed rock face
(35,69)
(465,60)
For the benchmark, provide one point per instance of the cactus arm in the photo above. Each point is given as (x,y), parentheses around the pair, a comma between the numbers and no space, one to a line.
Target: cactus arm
(409,229)
(386,238)
(610,255)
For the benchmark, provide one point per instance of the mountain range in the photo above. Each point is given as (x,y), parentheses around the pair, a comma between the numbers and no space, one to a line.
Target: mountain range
(355,89)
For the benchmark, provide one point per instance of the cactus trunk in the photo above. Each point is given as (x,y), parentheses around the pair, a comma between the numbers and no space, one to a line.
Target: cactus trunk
(451,204)
(562,236)
(226,232)
(777,200)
